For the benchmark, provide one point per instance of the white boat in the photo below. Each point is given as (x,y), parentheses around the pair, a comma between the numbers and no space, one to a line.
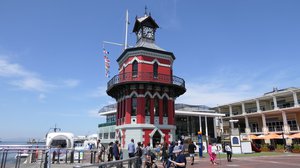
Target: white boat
(60,140)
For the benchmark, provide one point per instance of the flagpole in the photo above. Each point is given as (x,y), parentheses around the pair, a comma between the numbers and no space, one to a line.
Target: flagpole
(126,30)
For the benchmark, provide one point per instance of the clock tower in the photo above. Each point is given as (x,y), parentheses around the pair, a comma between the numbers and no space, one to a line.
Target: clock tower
(145,28)
(145,89)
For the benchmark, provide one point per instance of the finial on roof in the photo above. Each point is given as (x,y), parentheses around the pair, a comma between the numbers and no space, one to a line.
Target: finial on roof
(146,13)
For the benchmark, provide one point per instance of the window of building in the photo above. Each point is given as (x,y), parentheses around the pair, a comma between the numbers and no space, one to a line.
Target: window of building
(254,127)
(155,70)
(274,125)
(134,68)
(165,102)
(133,105)
(147,106)
(293,125)
(105,136)
(156,107)
(100,135)
(112,135)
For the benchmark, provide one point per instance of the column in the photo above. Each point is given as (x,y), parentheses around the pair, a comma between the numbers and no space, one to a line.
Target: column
(264,128)
(188,125)
(247,130)
(257,105)
(243,108)
(215,123)
(286,127)
(275,103)
(206,130)
(230,114)
(296,104)
(200,123)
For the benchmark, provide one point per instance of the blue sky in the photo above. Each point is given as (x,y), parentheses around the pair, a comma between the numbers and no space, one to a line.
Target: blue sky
(52,67)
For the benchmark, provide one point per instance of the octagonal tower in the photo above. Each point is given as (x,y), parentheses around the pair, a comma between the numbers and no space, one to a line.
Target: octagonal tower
(145,89)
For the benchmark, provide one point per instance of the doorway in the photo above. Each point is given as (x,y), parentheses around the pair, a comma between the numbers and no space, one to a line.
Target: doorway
(156,138)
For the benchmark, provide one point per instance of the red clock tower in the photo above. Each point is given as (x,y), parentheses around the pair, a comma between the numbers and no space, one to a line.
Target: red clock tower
(145,89)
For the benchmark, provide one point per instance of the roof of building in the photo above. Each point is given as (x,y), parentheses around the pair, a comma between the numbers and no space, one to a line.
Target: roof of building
(275,92)
(180,109)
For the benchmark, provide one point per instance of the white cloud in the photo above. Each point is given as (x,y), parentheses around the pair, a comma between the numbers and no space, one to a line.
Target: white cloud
(33,84)
(71,83)
(27,80)
(8,69)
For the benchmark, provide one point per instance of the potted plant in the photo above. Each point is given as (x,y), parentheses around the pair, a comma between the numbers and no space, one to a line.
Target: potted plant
(296,148)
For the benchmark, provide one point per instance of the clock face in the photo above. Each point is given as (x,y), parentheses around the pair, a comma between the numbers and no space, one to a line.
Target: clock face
(148,32)
(139,34)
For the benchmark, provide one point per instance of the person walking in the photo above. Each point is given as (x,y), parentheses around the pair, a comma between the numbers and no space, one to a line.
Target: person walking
(110,152)
(180,161)
(229,152)
(101,150)
(139,153)
(164,153)
(191,148)
(116,151)
(131,149)
(212,150)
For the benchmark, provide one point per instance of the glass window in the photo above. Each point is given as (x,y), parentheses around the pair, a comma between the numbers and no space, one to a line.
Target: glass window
(112,135)
(134,68)
(147,106)
(155,70)
(156,107)
(100,135)
(133,105)
(105,136)
(165,102)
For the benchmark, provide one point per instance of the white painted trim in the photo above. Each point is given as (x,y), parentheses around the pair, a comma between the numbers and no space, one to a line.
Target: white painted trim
(145,126)
(143,62)
(144,95)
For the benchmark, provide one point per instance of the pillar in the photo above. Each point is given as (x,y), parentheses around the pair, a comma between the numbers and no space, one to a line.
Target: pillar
(257,105)
(230,114)
(247,130)
(206,129)
(286,127)
(296,104)
(200,123)
(264,128)
(275,103)
(243,108)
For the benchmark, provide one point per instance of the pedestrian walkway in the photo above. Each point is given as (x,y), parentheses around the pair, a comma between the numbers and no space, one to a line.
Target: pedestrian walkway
(278,161)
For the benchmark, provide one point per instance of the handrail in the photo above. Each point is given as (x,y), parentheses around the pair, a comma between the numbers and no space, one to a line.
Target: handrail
(145,77)
(118,163)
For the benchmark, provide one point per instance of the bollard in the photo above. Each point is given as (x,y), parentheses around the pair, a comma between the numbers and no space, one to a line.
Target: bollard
(72,157)
(66,159)
(91,160)
(46,159)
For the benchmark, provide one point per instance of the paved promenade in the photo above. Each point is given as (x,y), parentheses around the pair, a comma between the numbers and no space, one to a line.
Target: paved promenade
(287,160)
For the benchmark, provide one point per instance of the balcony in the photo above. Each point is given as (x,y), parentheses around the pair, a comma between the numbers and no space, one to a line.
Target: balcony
(146,77)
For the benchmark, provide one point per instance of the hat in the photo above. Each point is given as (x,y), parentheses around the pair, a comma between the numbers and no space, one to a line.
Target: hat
(177,149)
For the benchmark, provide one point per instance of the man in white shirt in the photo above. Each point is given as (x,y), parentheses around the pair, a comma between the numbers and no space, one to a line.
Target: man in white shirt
(229,152)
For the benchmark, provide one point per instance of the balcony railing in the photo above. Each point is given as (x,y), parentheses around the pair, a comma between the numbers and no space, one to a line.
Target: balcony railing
(145,77)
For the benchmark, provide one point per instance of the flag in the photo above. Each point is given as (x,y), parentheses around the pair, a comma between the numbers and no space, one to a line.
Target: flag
(106,63)
(105,52)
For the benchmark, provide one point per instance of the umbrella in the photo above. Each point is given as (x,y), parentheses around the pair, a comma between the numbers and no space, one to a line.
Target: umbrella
(257,137)
(273,136)
(297,135)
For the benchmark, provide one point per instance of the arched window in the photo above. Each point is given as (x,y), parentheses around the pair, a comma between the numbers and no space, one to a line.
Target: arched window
(156,106)
(155,70)
(165,105)
(133,105)
(134,68)
(147,105)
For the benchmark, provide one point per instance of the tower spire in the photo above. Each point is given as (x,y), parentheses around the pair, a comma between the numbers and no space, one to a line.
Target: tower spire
(146,13)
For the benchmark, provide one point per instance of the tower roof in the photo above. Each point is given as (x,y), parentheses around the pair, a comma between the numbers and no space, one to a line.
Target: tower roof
(145,20)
